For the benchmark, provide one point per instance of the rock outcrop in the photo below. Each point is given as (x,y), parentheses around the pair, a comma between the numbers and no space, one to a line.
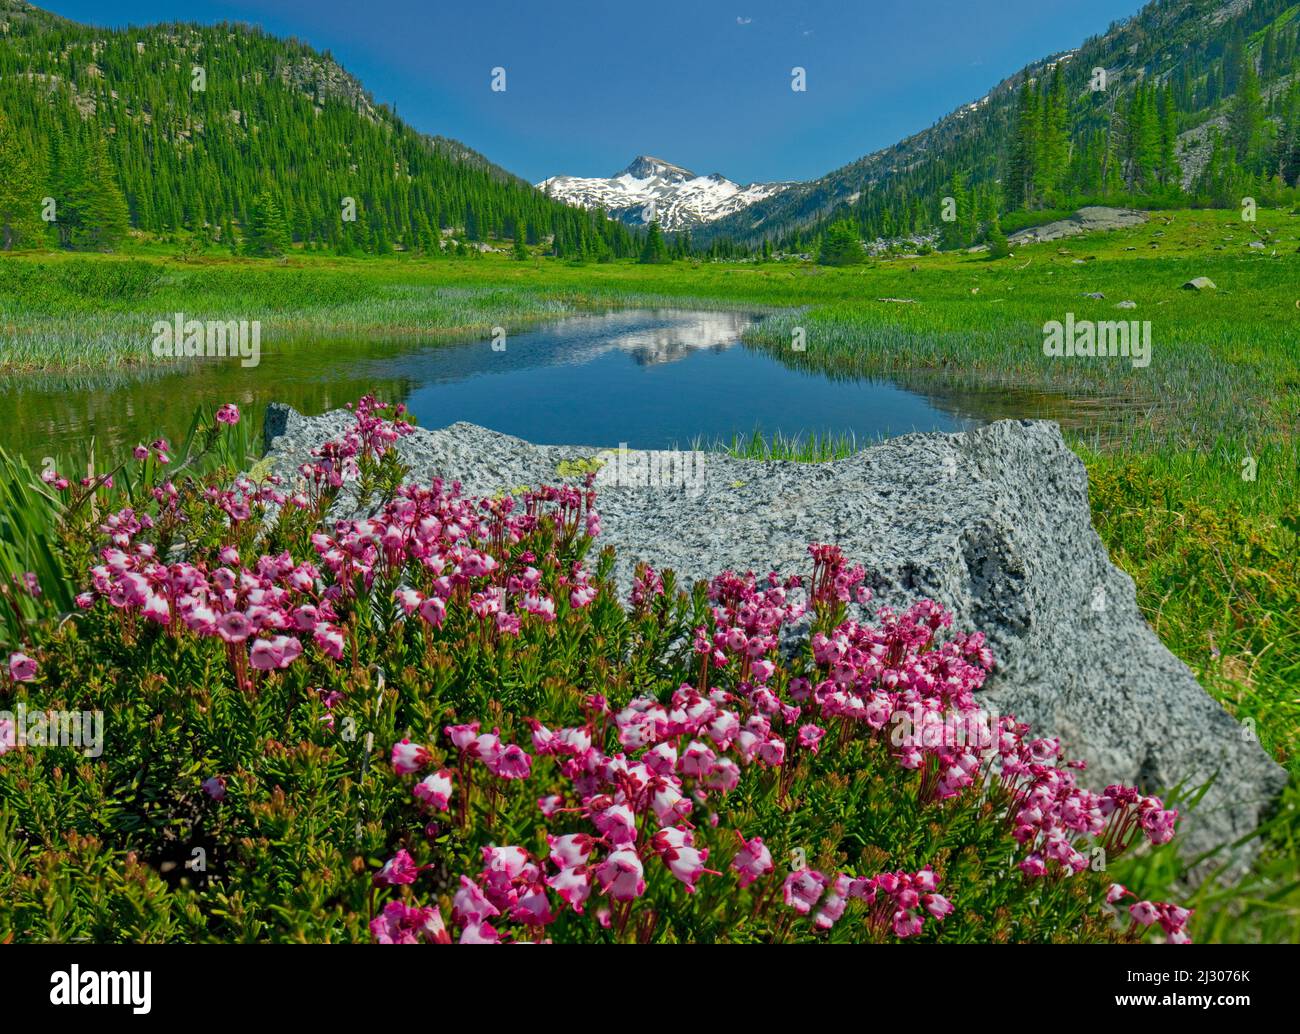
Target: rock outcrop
(992,523)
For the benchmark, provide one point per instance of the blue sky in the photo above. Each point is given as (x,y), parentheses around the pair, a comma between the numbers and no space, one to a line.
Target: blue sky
(704,84)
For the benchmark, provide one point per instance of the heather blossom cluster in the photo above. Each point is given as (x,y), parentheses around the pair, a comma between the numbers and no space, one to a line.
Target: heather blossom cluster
(437,543)
(642,801)
(640,782)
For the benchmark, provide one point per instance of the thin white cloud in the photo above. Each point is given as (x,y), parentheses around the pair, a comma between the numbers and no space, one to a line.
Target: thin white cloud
(743,21)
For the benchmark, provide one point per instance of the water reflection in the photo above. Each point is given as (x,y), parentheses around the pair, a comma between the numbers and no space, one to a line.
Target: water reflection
(650,378)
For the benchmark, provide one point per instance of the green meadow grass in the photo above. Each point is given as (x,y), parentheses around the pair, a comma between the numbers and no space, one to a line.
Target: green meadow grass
(1193,460)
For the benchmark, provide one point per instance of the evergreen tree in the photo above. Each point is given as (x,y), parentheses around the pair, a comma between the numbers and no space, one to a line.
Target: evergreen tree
(95,212)
(840,246)
(1170,173)
(1020,171)
(267,233)
(997,242)
(1053,138)
(20,197)
(654,250)
(1246,122)
(957,232)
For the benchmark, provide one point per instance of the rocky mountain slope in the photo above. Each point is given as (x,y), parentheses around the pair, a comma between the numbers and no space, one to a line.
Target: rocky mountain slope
(651,189)
(1181,44)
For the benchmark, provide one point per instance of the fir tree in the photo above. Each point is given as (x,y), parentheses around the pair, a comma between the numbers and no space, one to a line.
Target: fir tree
(1246,122)
(266,234)
(840,246)
(654,250)
(95,212)
(20,222)
(1020,172)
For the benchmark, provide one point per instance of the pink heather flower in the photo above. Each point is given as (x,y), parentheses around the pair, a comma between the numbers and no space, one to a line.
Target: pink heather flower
(85,600)
(1173,917)
(434,611)
(229,556)
(723,776)
(936,904)
(470,905)
(329,639)
(621,875)
(280,652)
(140,452)
(408,757)
(576,741)
(696,759)
(511,763)
(803,889)
(810,736)
(570,850)
(1144,912)
(401,868)
(462,736)
(509,862)
(1116,892)
(434,791)
(669,803)
(772,751)
(8,736)
(398,924)
(479,933)
(156,609)
(617,823)
(907,923)
(550,804)
(572,885)
(228,414)
(533,907)
(409,600)
(752,861)
(687,864)
(234,627)
(488,748)
(1034,865)
(21,667)
(833,903)
(214,787)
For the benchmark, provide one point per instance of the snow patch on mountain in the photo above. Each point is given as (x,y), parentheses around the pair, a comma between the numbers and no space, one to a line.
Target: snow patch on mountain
(651,189)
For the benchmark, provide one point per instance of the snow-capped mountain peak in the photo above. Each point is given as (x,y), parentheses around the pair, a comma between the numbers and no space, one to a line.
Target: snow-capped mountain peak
(651,189)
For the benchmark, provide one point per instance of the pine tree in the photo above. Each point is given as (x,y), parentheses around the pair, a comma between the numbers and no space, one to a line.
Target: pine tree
(20,222)
(1020,172)
(1053,138)
(266,234)
(654,250)
(956,232)
(1170,173)
(997,242)
(1246,122)
(95,211)
(1143,140)
(840,246)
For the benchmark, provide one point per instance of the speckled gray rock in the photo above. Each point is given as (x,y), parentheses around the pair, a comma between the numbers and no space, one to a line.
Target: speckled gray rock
(993,523)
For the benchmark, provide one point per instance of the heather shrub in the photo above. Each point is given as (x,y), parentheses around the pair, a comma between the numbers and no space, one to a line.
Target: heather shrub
(350,709)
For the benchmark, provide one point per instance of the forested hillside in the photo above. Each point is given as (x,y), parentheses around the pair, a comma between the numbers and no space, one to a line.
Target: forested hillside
(1199,104)
(242,140)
